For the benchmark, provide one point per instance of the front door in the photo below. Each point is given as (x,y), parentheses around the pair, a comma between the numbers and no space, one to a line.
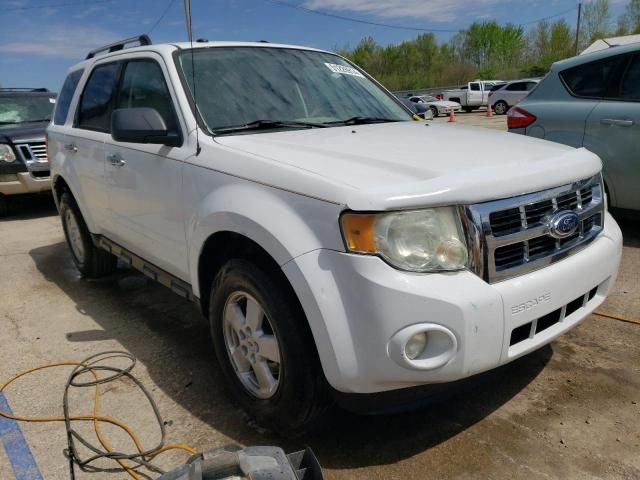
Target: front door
(613,133)
(145,180)
(474,95)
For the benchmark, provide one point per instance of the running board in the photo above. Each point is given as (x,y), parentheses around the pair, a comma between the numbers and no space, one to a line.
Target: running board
(156,274)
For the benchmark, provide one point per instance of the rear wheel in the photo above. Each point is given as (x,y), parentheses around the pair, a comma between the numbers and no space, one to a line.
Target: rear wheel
(501,107)
(93,262)
(467,109)
(264,346)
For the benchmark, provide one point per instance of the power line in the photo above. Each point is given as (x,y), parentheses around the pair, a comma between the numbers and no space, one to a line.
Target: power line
(357,20)
(55,5)
(166,10)
(399,27)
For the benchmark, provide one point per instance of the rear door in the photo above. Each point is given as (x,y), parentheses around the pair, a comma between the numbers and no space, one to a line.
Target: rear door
(145,180)
(514,92)
(85,141)
(613,132)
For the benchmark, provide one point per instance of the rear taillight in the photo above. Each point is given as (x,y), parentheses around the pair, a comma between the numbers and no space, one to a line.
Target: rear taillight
(519,118)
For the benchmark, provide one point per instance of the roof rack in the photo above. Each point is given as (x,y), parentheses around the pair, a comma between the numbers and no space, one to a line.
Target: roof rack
(141,40)
(12,89)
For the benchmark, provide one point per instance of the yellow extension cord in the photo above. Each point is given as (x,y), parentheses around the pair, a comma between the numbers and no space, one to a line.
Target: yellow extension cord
(96,418)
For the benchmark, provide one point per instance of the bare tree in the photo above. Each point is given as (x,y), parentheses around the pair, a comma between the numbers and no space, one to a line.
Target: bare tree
(596,19)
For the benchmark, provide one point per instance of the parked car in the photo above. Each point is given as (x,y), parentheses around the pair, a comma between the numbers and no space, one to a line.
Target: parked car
(24,166)
(503,97)
(471,96)
(592,101)
(421,109)
(437,107)
(332,258)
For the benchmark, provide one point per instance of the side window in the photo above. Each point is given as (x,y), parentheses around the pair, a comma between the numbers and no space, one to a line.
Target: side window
(630,89)
(516,87)
(475,87)
(592,80)
(95,106)
(65,97)
(143,85)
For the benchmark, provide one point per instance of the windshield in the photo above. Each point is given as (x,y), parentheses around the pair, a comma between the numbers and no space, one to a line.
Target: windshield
(240,85)
(429,98)
(25,108)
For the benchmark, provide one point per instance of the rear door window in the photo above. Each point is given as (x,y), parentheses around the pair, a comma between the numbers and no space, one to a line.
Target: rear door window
(65,97)
(595,79)
(96,104)
(517,87)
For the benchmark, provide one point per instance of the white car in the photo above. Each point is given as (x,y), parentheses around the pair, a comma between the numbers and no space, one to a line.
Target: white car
(332,258)
(437,107)
(503,97)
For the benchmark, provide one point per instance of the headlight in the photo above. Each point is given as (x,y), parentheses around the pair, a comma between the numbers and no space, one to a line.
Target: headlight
(428,240)
(6,153)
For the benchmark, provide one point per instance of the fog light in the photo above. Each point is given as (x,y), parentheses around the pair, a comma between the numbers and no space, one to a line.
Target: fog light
(415,346)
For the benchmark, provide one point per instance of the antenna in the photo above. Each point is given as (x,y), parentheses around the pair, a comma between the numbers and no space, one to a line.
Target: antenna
(187,11)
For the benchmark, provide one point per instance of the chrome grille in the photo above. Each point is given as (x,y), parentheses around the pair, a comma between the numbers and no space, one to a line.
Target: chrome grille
(34,152)
(511,235)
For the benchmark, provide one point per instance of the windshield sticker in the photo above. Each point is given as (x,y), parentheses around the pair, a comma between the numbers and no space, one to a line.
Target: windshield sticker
(344,70)
(52,100)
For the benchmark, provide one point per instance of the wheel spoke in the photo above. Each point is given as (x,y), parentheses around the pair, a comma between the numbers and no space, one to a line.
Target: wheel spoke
(265,379)
(234,317)
(255,314)
(268,348)
(240,360)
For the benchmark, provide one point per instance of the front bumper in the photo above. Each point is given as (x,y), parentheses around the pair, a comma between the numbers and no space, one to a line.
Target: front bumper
(357,304)
(24,182)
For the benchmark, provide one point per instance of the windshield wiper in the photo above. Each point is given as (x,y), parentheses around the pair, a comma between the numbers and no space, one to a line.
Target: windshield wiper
(359,120)
(265,124)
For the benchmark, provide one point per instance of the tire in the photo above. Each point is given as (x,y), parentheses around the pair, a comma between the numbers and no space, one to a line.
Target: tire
(93,262)
(467,109)
(434,111)
(300,394)
(500,107)
(4,206)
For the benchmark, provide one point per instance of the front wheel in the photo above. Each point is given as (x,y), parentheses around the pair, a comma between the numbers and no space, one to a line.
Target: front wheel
(93,262)
(4,206)
(500,108)
(468,109)
(265,348)
(434,111)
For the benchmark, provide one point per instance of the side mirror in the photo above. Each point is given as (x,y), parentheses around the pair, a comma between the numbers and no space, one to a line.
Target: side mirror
(142,125)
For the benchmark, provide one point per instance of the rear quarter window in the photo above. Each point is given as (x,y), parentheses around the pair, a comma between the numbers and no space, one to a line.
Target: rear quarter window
(65,97)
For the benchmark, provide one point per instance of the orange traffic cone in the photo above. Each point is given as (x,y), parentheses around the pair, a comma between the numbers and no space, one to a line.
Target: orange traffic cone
(452,116)
(489,110)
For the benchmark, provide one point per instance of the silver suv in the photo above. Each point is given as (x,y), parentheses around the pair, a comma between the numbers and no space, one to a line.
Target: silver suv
(592,101)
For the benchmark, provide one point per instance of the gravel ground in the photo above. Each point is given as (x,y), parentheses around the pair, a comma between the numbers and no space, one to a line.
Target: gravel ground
(567,411)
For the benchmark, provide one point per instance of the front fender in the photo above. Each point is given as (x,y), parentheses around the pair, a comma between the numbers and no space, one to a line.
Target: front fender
(284,224)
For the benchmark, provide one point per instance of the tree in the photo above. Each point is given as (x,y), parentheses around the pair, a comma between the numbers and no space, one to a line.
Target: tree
(596,18)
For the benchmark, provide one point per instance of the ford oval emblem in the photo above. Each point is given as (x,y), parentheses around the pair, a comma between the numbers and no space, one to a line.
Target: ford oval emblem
(563,223)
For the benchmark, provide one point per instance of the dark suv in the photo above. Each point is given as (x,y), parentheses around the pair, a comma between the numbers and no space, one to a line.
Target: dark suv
(24,166)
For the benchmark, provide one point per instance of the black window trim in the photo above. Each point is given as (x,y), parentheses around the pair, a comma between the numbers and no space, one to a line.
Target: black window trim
(623,67)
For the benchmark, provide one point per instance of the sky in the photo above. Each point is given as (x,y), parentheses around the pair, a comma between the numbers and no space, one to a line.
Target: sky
(41,39)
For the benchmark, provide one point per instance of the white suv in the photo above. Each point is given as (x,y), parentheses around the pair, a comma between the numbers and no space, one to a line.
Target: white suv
(280,188)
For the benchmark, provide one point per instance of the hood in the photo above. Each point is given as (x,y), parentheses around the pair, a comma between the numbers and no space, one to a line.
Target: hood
(14,133)
(407,164)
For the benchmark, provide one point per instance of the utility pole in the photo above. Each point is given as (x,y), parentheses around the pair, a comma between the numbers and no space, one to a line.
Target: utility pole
(578,26)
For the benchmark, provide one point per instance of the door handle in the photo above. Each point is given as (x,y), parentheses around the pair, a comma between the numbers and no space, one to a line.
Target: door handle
(71,147)
(116,160)
(617,122)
